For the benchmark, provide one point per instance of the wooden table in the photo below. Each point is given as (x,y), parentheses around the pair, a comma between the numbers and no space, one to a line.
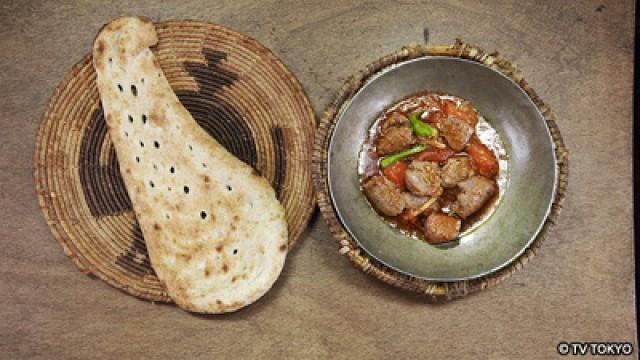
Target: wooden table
(578,57)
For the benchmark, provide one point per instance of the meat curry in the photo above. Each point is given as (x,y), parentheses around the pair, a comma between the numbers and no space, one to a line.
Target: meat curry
(426,169)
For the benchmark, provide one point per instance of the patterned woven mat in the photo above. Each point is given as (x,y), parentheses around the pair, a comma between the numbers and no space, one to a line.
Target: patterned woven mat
(236,89)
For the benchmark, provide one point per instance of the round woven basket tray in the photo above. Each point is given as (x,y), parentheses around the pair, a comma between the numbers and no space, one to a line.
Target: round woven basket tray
(236,89)
(433,290)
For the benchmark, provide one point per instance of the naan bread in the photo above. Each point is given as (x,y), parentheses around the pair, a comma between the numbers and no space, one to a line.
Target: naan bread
(215,232)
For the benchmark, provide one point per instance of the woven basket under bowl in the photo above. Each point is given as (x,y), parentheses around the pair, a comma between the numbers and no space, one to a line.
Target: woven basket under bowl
(433,290)
(236,89)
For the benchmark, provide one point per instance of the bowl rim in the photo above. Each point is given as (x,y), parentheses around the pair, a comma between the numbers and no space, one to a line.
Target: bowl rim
(345,225)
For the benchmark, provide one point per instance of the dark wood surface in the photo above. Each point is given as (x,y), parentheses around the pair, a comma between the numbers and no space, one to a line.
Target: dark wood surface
(578,57)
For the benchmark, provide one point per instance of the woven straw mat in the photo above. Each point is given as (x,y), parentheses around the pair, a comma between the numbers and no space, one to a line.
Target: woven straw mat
(236,89)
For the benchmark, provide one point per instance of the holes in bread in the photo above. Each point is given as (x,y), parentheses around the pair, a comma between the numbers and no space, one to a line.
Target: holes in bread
(137,158)
(156,144)
(190,147)
(229,188)
(169,188)
(203,215)
(141,143)
(131,119)
(144,118)
(235,251)
(126,134)
(142,80)
(120,88)
(186,189)
(134,90)
(110,60)
(167,216)
(152,184)
(155,167)
(172,169)
(204,165)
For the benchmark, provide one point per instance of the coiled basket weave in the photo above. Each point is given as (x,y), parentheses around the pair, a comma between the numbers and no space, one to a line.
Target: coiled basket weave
(432,290)
(236,89)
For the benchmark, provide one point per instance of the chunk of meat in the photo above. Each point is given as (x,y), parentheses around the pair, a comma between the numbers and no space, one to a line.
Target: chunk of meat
(384,195)
(456,132)
(423,178)
(393,140)
(464,111)
(412,201)
(467,113)
(395,119)
(457,169)
(440,228)
(474,192)
(434,154)
(416,206)
(434,118)
(434,142)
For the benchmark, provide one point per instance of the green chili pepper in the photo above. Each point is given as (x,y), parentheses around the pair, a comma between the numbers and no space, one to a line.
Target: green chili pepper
(389,160)
(420,128)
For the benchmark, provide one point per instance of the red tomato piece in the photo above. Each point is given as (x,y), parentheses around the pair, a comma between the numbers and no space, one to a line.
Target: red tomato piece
(396,173)
(483,158)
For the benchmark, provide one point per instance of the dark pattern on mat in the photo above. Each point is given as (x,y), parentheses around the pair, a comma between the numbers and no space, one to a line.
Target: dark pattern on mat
(278,139)
(102,185)
(136,258)
(214,113)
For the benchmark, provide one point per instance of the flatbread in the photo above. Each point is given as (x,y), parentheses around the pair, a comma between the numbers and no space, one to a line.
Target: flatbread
(215,232)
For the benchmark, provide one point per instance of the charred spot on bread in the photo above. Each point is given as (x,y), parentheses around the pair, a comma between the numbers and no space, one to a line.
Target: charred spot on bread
(100,47)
